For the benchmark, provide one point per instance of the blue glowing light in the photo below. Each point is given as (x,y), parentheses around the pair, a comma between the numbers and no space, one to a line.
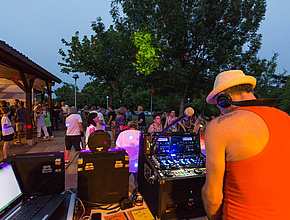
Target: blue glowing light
(173,155)
(135,164)
(67,124)
(5,127)
(130,137)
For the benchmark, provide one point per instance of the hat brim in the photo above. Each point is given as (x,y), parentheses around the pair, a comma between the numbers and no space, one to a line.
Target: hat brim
(233,82)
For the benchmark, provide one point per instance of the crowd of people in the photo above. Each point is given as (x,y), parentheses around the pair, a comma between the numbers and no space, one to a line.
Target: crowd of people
(13,121)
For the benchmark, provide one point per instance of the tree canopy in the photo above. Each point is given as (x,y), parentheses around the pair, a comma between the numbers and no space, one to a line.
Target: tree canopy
(175,47)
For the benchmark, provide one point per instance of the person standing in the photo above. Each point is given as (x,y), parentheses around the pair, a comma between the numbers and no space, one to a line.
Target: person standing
(74,132)
(40,123)
(130,141)
(93,119)
(128,115)
(156,126)
(170,119)
(141,120)
(85,112)
(47,121)
(187,124)
(111,122)
(64,112)
(244,146)
(13,109)
(7,130)
(120,123)
(101,125)
(20,119)
(55,116)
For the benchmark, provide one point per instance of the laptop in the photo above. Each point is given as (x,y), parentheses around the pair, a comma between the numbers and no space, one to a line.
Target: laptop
(14,201)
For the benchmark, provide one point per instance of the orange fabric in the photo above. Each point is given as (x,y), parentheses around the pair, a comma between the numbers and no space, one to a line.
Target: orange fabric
(259,187)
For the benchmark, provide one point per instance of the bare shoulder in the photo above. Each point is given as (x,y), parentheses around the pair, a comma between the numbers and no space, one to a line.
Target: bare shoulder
(237,118)
(239,123)
(237,132)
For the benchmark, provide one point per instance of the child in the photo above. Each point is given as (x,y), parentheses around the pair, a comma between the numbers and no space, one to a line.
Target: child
(40,123)
(7,130)
(92,122)
(47,121)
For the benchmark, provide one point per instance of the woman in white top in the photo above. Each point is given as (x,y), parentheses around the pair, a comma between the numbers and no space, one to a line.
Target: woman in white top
(7,130)
(40,123)
(93,119)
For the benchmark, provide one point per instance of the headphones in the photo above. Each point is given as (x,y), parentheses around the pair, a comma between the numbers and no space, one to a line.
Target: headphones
(225,101)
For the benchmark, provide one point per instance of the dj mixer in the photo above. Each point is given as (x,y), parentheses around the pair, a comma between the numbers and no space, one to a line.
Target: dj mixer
(171,174)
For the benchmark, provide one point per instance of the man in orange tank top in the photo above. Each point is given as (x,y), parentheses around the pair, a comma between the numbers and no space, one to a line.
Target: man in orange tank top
(245,147)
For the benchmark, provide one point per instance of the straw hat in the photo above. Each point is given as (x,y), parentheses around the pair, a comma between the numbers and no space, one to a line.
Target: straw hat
(229,79)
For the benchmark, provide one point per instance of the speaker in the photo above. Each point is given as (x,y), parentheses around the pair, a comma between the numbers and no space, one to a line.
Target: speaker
(40,172)
(99,141)
(103,177)
(225,101)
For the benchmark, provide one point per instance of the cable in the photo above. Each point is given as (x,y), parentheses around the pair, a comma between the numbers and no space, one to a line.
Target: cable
(114,211)
(84,209)
(55,175)
(35,191)
(99,205)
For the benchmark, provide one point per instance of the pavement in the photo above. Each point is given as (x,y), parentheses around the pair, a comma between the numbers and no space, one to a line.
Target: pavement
(57,144)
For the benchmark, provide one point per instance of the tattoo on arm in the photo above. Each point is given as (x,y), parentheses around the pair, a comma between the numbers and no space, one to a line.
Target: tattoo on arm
(220,119)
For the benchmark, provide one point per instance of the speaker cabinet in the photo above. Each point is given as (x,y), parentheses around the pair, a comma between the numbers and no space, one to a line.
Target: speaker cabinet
(40,172)
(103,177)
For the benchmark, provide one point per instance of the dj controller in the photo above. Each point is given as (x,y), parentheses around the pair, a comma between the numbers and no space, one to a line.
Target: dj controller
(171,174)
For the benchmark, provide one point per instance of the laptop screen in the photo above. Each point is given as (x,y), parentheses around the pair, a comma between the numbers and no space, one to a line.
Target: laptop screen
(9,186)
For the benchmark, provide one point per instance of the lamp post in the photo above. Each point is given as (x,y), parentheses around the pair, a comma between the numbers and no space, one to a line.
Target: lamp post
(107,102)
(188,100)
(75,76)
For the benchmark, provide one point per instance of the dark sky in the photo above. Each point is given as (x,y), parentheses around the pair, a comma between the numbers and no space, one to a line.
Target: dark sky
(35,28)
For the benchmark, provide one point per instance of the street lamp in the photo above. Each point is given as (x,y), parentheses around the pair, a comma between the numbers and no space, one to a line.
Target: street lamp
(188,100)
(75,76)
(107,102)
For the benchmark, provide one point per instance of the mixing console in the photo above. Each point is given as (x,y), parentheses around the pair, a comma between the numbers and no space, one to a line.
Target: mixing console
(171,174)
(177,156)
(177,161)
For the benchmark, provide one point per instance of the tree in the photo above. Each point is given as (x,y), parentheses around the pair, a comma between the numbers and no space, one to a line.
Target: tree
(105,56)
(66,93)
(199,39)
(284,97)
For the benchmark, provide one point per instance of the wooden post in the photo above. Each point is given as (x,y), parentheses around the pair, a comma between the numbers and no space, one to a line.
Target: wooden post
(29,125)
(49,98)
